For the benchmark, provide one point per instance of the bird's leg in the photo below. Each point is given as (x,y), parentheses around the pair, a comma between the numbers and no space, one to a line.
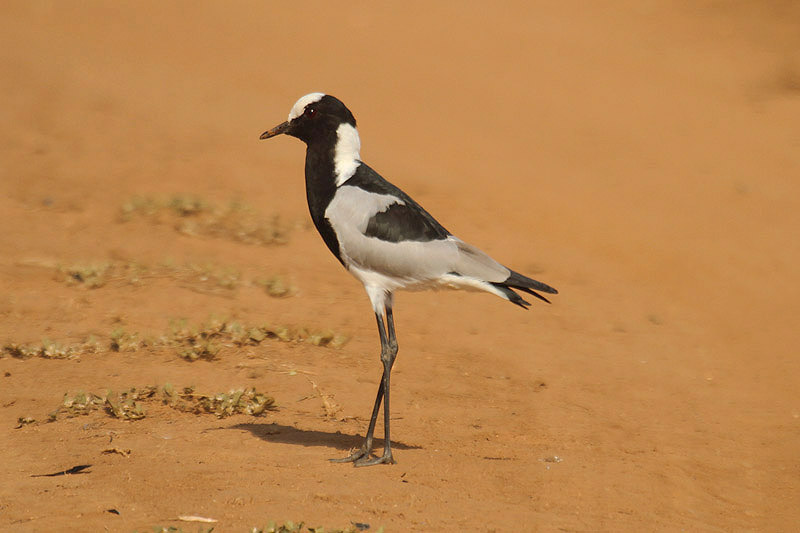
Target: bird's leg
(366,449)
(388,354)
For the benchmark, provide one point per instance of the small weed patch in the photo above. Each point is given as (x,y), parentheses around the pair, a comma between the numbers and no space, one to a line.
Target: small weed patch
(286,527)
(206,340)
(194,216)
(203,341)
(86,275)
(205,277)
(51,350)
(276,286)
(291,527)
(242,401)
(130,404)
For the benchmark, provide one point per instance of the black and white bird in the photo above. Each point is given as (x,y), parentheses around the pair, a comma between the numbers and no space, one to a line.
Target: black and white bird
(383,237)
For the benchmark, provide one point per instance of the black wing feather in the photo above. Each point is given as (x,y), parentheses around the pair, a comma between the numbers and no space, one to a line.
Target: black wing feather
(401,222)
(406,221)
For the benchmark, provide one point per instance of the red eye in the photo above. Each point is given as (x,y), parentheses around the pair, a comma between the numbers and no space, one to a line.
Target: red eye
(310,112)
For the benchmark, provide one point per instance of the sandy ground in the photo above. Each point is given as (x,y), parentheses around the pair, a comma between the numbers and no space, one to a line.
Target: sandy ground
(643,158)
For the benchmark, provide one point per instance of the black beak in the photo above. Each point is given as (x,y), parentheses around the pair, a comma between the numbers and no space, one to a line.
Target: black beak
(277,130)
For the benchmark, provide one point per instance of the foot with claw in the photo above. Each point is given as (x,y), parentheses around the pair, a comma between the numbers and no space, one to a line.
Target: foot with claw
(364,457)
(353,457)
(369,461)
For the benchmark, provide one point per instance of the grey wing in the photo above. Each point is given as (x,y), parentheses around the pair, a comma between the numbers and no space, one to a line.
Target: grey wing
(380,232)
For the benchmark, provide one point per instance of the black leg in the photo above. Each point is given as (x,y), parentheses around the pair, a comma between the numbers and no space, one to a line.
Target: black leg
(366,449)
(361,457)
(390,325)
(388,354)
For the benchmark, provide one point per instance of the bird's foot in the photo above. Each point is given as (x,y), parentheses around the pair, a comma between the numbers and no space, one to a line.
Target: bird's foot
(366,460)
(353,457)
(363,457)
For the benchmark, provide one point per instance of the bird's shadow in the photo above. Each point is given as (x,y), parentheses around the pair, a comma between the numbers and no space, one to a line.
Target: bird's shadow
(306,437)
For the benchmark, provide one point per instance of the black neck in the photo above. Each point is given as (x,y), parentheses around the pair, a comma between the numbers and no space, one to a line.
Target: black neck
(320,188)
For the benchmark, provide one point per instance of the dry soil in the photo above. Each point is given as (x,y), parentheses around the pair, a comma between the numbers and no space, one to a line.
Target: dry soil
(642,157)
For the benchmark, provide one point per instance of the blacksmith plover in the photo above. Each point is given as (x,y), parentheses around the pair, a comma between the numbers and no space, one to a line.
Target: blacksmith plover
(383,237)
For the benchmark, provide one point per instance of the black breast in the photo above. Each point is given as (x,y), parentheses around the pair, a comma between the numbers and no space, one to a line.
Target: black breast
(320,188)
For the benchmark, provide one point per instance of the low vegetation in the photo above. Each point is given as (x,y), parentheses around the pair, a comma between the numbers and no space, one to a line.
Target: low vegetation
(272,527)
(130,404)
(195,216)
(201,276)
(203,341)
(291,527)
(51,350)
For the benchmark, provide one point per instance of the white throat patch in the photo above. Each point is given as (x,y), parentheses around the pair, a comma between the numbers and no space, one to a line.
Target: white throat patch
(300,105)
(346,157)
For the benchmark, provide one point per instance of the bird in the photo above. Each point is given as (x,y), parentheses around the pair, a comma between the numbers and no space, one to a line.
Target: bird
(383,237)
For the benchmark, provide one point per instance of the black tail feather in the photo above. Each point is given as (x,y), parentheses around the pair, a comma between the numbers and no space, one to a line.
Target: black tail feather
(518,281)
(532,293)
(513,297)
(525,284)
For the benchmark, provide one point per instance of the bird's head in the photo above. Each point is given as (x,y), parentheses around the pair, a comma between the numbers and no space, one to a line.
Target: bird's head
(314,117)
